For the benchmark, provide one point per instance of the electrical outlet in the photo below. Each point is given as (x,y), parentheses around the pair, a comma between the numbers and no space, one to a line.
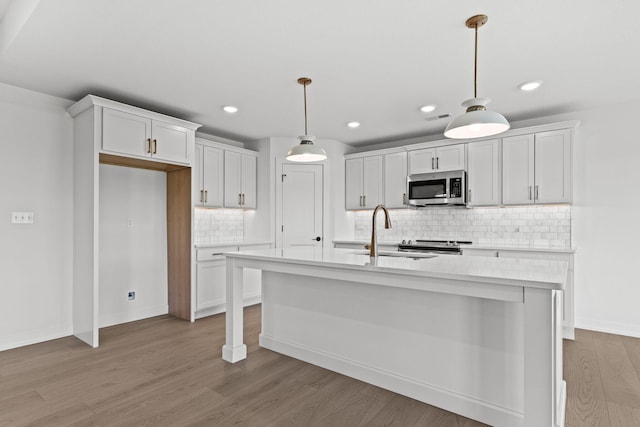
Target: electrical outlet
(131,295)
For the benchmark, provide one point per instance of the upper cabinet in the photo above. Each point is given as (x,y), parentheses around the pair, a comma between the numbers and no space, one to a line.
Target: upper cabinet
(132,135)
(537,168)
(438,159)
(364,182)
(240,180)
(208,176)
(483,173)
(395,180)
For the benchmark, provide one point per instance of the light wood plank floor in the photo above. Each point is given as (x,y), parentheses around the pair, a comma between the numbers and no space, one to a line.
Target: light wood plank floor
(167,372)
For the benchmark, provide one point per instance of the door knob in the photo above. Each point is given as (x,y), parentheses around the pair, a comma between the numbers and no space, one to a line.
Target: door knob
(317,239)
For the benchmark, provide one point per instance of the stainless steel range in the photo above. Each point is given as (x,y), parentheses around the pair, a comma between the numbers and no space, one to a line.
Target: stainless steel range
(452,247)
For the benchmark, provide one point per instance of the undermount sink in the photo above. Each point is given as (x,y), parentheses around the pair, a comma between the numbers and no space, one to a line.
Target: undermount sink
(413,255)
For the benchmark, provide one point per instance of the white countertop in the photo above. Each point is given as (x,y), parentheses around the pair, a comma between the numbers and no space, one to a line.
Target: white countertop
(493,247)
(506,271)
(240,243)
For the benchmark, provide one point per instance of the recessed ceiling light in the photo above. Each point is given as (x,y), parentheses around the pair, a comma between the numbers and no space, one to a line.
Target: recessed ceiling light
(230,109)
(427,108)
(353,125)
(529,86)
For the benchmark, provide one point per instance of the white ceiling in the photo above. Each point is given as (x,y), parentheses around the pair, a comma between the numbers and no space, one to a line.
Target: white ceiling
(373,61)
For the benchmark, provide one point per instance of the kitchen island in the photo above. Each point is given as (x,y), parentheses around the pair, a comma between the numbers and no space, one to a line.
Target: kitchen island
(480,337)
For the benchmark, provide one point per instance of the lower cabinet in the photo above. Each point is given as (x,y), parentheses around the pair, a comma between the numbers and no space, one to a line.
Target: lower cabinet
(211,276)
(568,296)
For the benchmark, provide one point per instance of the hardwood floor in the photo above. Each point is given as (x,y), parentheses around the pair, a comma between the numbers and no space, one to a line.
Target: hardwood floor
(168,372)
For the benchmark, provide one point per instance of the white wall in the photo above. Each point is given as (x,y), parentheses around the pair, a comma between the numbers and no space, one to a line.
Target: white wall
(133,244)
(605,217)
(36,136)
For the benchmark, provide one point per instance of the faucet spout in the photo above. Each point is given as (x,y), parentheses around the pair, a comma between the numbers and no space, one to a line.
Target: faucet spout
(373,247)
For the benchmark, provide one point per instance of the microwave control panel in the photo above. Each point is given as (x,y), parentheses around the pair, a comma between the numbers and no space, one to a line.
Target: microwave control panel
(455,189)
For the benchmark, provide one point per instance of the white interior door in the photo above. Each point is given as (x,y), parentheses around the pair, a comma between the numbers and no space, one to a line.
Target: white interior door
(301,205)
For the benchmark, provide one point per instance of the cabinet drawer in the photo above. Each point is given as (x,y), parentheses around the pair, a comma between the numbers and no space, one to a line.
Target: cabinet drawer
(212,254)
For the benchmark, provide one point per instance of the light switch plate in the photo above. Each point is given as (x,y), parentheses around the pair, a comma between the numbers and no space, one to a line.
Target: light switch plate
(22,217)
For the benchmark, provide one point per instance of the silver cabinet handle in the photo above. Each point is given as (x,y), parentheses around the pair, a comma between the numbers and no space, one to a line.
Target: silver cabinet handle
(404,198)
(497,254)
(155,146)
(433,162)
(149,145)
(239,198)
(361,203)
(529,192)
(243,198)
(537,192)
(364,200)
(201,196)
(206,196)
(437,162)
(469,196)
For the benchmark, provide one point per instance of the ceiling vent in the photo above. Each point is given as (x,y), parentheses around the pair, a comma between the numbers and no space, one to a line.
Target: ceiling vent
(441,116)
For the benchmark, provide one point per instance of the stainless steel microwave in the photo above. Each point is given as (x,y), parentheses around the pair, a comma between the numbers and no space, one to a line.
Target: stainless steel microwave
(438,188)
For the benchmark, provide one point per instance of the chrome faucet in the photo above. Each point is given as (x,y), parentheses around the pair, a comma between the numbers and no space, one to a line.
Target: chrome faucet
(373,247)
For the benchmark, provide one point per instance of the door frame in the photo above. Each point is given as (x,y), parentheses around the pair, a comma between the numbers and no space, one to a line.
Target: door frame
(279,163)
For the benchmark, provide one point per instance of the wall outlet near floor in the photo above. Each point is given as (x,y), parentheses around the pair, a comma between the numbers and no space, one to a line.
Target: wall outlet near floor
(22,217)
(131,295)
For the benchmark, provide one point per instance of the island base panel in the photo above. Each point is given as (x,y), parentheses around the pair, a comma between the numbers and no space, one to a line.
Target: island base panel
(463,354)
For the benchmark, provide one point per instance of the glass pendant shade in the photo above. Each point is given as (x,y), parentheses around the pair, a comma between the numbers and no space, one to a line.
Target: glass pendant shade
(476,122)
(306,151)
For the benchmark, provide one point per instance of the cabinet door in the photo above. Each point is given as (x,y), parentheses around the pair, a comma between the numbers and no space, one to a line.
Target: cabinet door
(517,170)
(353,183)
(422,161)
(483,173)
(126,133)
(450,158)
(395,180)
(212,176)
(197,185)
(210,284)
(248,181)
(171,143)
(372,184)
(232,179)
(553,166)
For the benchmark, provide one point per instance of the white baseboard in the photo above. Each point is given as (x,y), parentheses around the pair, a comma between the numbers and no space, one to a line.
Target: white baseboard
(562,405)
(450,401)
(221,308)
(609,327)
(138,314)
(34,337)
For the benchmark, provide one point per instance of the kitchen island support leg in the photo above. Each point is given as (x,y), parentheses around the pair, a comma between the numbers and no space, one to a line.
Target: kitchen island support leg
(234,349)
(544,402)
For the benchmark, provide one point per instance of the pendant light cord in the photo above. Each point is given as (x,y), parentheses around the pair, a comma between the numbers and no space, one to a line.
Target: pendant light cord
(475,67)
(305,108)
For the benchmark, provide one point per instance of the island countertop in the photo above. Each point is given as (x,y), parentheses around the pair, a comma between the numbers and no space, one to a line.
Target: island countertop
(504,271)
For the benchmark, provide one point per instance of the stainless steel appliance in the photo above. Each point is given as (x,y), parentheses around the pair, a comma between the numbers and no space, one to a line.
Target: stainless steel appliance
(439,188)
(451,247)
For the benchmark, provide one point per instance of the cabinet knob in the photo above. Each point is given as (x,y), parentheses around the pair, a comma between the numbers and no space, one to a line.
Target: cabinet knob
(317,238)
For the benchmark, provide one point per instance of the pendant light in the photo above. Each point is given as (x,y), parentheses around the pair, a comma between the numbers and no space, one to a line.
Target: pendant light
(477,121)
(306,151)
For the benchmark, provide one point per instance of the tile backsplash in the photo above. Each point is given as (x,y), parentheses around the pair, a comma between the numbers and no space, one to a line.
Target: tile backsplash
(218,226)
(539,226)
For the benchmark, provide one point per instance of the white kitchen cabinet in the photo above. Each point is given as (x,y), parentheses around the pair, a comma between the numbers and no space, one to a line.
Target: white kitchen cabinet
(240,176)
(363,182)
(208,176)
(128,134)
(568,294)
(395,180)
(211,279)
(438,159)
(483,173)
(537,168)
